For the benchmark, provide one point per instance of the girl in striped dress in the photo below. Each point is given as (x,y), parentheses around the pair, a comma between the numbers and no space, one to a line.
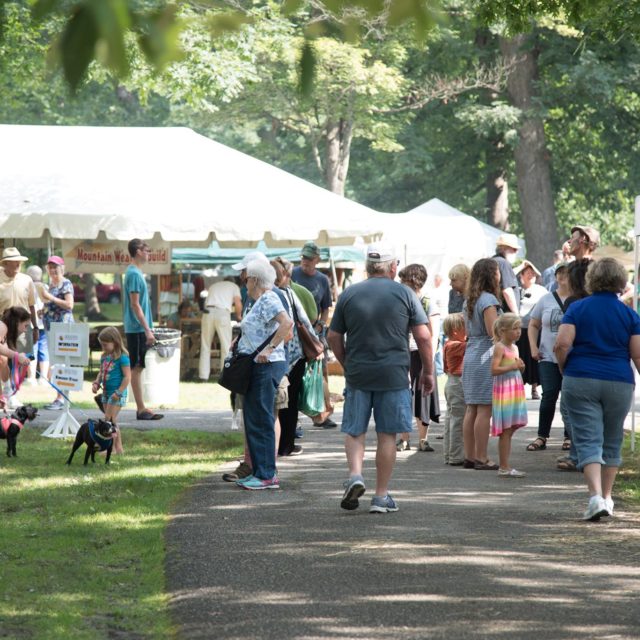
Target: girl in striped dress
(509,408)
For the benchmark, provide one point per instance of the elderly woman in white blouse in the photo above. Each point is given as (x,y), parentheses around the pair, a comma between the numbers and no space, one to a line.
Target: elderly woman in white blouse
(267,322)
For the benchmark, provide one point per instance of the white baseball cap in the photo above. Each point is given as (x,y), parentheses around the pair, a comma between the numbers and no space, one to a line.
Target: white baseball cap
(380,252)
(254,255)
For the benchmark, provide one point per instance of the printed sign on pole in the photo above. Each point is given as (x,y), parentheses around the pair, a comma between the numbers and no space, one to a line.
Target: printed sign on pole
(68,344)
(68,378)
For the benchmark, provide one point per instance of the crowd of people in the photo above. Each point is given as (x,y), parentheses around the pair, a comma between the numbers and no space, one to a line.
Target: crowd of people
(504,329)
(564,329)
(28,307)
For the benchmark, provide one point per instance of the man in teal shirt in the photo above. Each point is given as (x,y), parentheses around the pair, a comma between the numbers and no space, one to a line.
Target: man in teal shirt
(138,322)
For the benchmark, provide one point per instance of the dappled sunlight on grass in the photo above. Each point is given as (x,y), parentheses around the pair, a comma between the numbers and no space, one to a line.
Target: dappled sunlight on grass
(131,520)
(90,563)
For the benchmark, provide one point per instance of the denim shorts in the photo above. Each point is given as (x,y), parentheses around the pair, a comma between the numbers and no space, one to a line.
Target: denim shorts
(391,411)
(42,350)
(120,402)
(597,410)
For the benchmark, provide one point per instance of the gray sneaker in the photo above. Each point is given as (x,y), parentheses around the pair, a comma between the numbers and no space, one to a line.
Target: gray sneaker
(353,489)
(383,505)
(56,405)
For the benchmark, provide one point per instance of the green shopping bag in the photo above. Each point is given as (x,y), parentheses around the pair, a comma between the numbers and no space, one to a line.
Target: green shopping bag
(311,401)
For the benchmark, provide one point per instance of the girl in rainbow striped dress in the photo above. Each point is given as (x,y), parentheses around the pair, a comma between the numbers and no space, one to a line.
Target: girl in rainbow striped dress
(509,408)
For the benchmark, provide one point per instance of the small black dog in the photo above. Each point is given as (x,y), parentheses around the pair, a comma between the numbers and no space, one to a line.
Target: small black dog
(11,427)
(96,434)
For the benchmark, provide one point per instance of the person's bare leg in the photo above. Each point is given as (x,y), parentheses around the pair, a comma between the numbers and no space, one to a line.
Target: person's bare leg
(385,461)
(504,449)
(136,387)
(468,433)
(278,430)
(111,414)
(593,475)
(354,448)
(608,478)
(481,429)
(323,415)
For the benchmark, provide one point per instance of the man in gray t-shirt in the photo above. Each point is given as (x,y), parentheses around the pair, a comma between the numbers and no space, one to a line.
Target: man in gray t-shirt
(375,317)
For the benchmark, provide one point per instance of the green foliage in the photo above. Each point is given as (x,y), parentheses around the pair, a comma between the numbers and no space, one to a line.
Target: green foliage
(88,552)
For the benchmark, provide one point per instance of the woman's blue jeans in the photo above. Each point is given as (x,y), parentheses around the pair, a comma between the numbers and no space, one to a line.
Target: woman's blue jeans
(258,408)
(597,409)
(551,380)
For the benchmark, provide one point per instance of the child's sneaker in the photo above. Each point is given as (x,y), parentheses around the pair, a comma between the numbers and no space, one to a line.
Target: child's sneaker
(383,505)
(511,473)
(403,445)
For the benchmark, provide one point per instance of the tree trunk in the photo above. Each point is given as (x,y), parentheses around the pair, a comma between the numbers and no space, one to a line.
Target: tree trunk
(497,186)
(533,170)
(498,199)
(338,149)
(92,306)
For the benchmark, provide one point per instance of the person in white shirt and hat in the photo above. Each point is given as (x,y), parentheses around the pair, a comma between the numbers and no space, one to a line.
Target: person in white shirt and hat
(17,290)
(530,293)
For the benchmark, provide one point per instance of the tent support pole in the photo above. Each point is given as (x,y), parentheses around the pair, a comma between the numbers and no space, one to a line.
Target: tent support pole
(635,306)
(333,270)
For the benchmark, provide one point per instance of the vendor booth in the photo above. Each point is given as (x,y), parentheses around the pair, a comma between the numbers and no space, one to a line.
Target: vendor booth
(199,268)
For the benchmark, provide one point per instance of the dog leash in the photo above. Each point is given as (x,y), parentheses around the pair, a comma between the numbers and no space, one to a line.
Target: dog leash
(17,374)
(63,394)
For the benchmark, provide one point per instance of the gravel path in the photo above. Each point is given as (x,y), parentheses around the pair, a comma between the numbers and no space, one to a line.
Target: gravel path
(469,555)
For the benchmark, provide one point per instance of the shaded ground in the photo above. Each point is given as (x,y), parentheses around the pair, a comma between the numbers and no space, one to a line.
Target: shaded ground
(469,555)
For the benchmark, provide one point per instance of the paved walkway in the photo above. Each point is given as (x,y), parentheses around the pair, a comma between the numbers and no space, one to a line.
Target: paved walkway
(469,555)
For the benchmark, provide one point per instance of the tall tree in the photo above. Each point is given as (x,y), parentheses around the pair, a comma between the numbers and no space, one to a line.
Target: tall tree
(531,155)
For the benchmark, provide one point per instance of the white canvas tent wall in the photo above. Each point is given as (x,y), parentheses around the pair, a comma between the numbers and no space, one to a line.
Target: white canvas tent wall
(120,183)
(438,236)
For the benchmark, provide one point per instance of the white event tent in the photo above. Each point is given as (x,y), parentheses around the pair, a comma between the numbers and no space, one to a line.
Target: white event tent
(438,236)
(120,183)
(171,184)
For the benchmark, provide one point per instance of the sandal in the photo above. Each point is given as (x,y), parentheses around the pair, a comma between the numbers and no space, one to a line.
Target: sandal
(566,445)
(537,445)
(567,465)
(487,465)
(148,415)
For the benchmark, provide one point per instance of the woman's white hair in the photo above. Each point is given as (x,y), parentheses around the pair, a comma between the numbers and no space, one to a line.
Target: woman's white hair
(35,273)
(264,273)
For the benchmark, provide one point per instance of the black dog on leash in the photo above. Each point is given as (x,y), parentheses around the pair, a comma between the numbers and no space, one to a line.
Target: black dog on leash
(11,427)
(97,435)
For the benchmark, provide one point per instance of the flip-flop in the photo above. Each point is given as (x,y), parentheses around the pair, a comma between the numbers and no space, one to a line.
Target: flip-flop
(148,415)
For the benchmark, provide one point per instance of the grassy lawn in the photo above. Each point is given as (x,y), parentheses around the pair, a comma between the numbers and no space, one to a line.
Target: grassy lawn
(202,396)
(112,313)
(83,552)
(628,482)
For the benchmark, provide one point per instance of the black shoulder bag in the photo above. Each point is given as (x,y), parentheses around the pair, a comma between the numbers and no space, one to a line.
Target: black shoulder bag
(563,305)
(237,368)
